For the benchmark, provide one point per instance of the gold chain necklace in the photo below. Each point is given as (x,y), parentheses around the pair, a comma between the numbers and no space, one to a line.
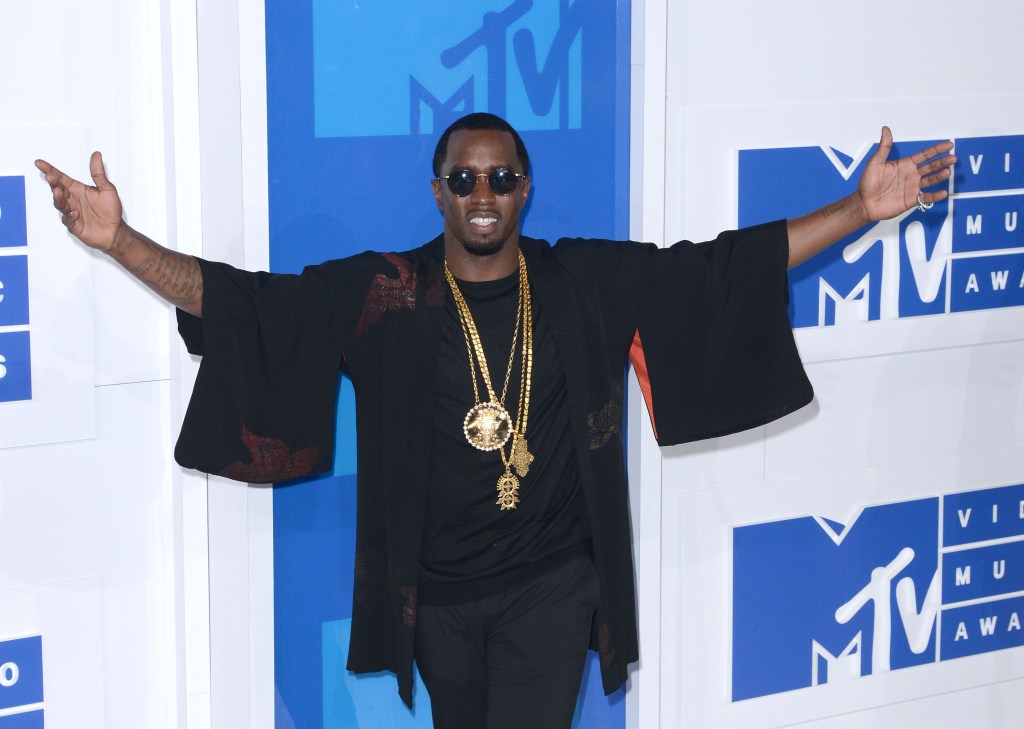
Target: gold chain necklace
(488,425)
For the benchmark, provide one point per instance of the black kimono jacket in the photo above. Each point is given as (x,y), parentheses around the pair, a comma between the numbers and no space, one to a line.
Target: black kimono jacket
(717,357)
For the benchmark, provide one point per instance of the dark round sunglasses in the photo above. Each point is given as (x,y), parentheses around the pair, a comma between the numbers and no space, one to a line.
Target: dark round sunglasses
(502,181)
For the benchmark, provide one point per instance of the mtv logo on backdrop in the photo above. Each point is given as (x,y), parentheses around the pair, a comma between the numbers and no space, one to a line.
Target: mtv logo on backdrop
(816,602)
(813,599)
(375,75)
(966,253)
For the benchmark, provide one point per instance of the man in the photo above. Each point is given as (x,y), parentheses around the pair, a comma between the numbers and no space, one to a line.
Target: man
(492,528)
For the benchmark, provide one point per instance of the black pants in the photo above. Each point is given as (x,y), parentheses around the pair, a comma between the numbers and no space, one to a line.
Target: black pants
(514,660)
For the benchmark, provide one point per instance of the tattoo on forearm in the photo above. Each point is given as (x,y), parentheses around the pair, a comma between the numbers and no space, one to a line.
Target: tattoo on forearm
(833,210)
(174,276)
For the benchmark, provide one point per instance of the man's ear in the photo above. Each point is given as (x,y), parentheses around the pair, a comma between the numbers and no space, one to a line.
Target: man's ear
(436,185)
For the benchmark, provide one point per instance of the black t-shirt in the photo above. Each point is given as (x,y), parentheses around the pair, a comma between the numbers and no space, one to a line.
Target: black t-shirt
(471,548)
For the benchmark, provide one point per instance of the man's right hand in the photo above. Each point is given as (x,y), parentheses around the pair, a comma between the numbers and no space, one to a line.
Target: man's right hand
(93,215)
(91,212)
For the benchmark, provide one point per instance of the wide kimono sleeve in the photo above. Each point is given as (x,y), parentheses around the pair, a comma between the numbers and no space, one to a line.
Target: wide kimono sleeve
(714,348)
(263,406)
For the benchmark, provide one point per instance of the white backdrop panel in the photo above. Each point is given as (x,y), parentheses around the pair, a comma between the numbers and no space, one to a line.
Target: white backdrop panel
(796,51)
(880,409)
(100,509)
(62,406)
(96,66)
(69,618)
(697,609)
(703,146)
(905,409)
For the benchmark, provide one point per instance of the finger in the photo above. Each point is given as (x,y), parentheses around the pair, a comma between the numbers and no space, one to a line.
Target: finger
(934,197)
(936,177)
(937,164)
(884,147)
(51,174)
(99,175)
(934,151)
(69,220)
(60,199)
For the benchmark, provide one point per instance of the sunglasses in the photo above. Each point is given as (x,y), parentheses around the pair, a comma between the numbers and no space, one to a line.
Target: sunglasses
(502,181)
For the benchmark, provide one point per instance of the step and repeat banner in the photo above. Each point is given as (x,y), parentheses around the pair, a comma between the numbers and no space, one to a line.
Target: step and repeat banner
(46,396)
(46,363)
(51,656)
(901,585)
(357,96)
(774,615)
(964,254)
(15,352)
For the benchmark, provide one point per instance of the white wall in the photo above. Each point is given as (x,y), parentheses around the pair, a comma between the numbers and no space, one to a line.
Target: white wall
(88,525)
(884,427)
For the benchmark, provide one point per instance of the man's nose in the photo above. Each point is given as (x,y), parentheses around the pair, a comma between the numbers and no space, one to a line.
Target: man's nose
(482,191)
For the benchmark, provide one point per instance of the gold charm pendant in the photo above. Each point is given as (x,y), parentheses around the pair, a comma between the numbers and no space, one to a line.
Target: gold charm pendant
(508,491)
(520,456)
(487,426)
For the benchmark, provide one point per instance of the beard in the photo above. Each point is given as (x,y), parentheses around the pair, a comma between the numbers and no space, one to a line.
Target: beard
(485,247)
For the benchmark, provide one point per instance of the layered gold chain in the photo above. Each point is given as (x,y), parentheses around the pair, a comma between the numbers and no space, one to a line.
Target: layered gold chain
(488,425)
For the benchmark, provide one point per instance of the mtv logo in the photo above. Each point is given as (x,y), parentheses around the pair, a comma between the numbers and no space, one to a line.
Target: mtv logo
(887,270)
(827,668)
(816,601)
(414,66)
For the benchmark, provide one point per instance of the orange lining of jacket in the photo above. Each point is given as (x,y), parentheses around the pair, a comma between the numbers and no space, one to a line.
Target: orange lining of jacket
(636,356)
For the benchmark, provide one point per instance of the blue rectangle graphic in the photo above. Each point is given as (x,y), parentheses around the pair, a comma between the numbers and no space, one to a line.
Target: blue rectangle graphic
(987,282)
(394,68)
(982,628)
(989,163)
(13,290)
(24,720)
(815,601)
(15,366)
(988,223)
(21,672)
(982,572)
(980,516)
(13,219)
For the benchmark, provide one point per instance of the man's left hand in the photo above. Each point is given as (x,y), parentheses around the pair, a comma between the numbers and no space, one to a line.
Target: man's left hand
(890,187)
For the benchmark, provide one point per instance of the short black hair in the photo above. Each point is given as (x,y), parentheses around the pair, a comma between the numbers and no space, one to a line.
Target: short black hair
(479,120)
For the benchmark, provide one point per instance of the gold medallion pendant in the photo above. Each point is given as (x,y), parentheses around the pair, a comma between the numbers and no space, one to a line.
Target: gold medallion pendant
(487,426)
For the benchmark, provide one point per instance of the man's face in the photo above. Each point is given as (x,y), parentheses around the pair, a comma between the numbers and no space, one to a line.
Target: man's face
(482,223)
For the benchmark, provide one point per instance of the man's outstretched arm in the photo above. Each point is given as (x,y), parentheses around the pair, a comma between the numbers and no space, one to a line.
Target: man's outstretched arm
(93,214)
(886,189)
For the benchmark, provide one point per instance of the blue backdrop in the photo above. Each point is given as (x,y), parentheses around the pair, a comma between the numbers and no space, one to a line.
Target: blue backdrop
(357,94)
